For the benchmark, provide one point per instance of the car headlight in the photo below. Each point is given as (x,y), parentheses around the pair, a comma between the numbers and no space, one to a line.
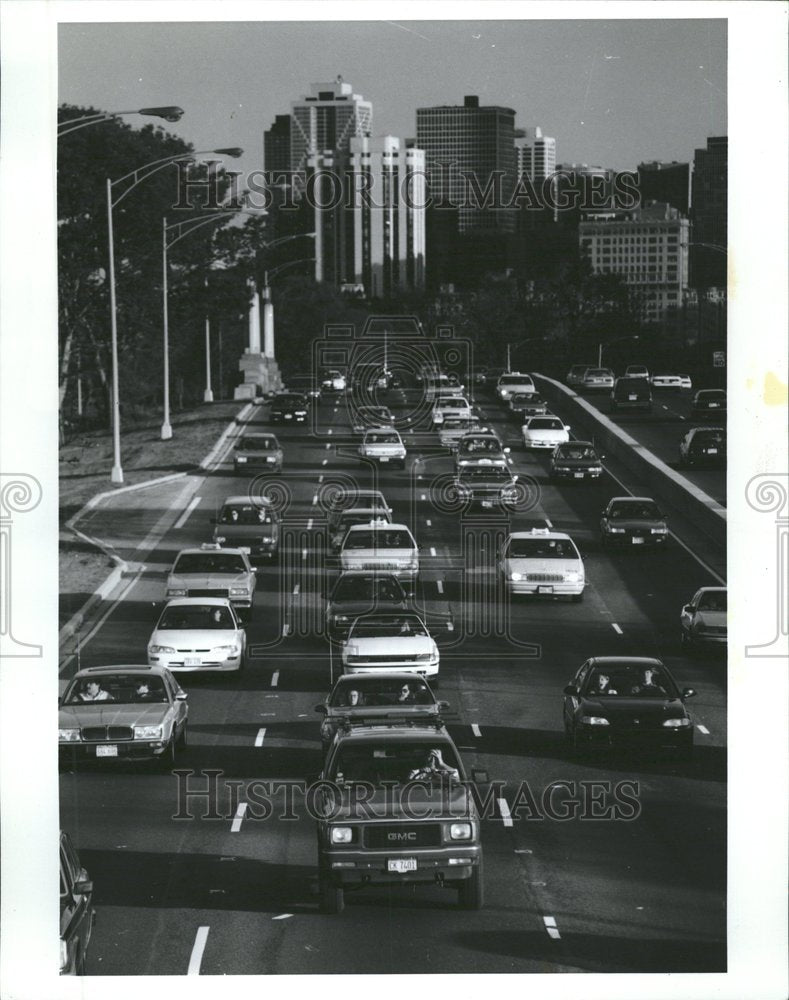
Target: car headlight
(562,468)
(413,564)
(341,619)
(516,576)
(460,831)
(220,538)
(572,577)
(341,834)
(239,591)
(229,650)
(422,657)
(267,540)
(301,413)
(271,458)
(147,732)
(594,720)
(69,736)
(616,531)
(176,592)
(463,461)
(660,531)
(595,468)
(241,458)
(153,650)
(675,723)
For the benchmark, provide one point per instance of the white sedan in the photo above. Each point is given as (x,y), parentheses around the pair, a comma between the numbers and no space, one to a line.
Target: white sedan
(542,561)
(384,642)
(198,634)
(671,381)
(545,431)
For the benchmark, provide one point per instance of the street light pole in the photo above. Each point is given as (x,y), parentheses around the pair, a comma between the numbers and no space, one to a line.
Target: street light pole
(167,430)
(117,471)
(208,395)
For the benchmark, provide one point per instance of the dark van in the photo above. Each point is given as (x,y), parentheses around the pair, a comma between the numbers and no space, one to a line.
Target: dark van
(631,394)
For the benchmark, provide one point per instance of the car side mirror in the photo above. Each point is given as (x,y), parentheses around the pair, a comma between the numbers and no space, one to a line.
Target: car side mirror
(507,451)
(321,709)
(181,696)
(83,887)
(688,609)
(571,689)
(567,427)
(688,693)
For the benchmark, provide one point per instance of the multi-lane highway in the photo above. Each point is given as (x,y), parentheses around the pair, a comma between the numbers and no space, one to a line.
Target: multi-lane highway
(564,891)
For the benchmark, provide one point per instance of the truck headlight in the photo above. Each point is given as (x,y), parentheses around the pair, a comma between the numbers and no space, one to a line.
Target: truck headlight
(239,591)
(460,831)
(674,723)
(153,650)
(594,720)
(147,732)
(69,736)
(341,834)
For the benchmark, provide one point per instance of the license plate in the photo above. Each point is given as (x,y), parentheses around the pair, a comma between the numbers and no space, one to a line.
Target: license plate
(578,475)
(714,406)
(401,865)
(384,458)
(487,503)
(192,661)
(637,541)
(288,416)
(712,451)
(632,398)
(545,590)
(106,751)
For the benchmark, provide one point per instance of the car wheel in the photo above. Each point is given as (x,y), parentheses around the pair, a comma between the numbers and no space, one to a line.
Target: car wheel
(470,891)
(182,738)
(332,895)
(167,760)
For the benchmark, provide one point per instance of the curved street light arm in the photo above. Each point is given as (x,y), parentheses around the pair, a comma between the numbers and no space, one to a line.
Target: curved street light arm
(170,114)
(159,164)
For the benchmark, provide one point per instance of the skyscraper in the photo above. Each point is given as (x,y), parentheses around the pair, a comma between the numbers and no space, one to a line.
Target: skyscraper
(535,154)
(327,119)
(708,213)
(276,146)
(668,182)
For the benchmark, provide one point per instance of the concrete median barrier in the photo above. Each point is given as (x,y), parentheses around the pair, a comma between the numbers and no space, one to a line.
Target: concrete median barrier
(664,483)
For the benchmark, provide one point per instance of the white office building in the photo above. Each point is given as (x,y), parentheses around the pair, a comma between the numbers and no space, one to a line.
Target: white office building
(328,118)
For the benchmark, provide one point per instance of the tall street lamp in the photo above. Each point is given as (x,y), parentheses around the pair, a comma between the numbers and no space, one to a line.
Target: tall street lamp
(136,176)
(170,113)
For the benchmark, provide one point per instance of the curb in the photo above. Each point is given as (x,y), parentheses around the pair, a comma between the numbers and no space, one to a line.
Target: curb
(109,584)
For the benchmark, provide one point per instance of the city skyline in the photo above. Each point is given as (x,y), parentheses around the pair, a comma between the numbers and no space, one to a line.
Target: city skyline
(612,93)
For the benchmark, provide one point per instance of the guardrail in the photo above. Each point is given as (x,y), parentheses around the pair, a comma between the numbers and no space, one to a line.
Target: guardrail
(665,483)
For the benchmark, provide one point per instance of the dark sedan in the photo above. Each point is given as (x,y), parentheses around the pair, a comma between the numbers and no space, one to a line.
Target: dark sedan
(709,404)
(576,460)
(289,407)
(627,701)
(488,487)
(360,592)
(631,521)
(703,446)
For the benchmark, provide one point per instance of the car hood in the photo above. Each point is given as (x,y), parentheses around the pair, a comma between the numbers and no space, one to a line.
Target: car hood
(241,531)
(207,580)
(617,707)
(449,799)
(107,714)
(384,555)
(355,608)
(383,447)
(544,565)
(193,638)
(544,435)
(711,618)
(400,645)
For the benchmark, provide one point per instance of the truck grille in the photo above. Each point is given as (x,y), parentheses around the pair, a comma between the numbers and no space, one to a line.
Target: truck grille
(403,835)
(100,734)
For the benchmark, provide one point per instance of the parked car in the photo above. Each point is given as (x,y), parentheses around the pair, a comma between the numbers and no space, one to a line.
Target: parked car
(382,547)
(709,403)
(77,913)
(213,571)
(511,382)
(545,431)
(703,620)
(637,371)
(257,453)
(576,460)
(104,714)
(631,393)
(542,561)
(288,407)
(384,446)
(198,635)
(597,379)
(248,523)
(703,446)
(360,592)
(627,701)
(666,380)
(633,521)
(397,640)
(575,376)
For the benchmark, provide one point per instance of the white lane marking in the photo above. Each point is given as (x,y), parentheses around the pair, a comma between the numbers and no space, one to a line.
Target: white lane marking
(285,630)
(327,446)
(330,431)
(275,678)
(523,850)
(616,628)
(423,497)
(548,523)
(440,585)
(325,461)
(504,809)
(550,926)
(475,729)
(303,553)
(320,478)
(185,516)
(241,812)
(309,525)
(703,729)
(315,500)
(665,407)
(282,916)
(296,589)
(432,551)
(196,958)
(428,522)
(260,737)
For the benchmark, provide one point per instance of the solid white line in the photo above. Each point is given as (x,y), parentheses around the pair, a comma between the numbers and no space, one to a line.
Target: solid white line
(432,551)
(475,729)
(296,589)
(440,585)
(196,958)
(504,809)
(275,678)
(260,737)
(309,525)
(703,729)
(183,518)
(235,826)
(550,926)
(616,628)
(282,916)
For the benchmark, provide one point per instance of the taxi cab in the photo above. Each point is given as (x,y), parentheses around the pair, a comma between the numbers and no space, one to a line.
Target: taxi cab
(542,561)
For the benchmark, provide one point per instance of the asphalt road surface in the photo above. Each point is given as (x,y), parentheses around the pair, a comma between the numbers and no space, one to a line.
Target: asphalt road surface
(238,895)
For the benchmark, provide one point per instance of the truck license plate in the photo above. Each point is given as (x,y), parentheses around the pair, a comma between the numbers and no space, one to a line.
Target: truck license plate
(106,751)
(401,865)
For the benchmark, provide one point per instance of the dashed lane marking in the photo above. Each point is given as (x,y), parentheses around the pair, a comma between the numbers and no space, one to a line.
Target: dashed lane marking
(303,553)
(423,496)
(703,729)
(296,589)
(325,461)
(550,926)
(309,525)
(432,551)
(238,819)
(504,809)
(616,628)
(330,431)
(260,737)
(196,958)
(185,516)
(315,500)
(476,730)
(285,630)
(282,916)
(320,478)
(327,446)
(275,678)
(547,521)
(440,585)
(428,522)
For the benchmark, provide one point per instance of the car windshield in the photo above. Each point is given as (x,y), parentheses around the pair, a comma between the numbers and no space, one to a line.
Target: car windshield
(258,444)
(350,517)
(202,616)
(593,372)
(455,424)
(120,689)
(378,540)
(545,424)
(383,438)
(577,453)
(713,600)
(343,499)
(541,548)
(457,401)
(379,692)
(636,509)
(515,380)
(480,445)
(245,514)
(367,588)
(630,681)
(707,438)
(209,562)
(389,761)
(711,394)
(525,397)
(390,626)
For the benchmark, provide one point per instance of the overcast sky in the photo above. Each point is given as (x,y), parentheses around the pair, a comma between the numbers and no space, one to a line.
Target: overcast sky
(612,93)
